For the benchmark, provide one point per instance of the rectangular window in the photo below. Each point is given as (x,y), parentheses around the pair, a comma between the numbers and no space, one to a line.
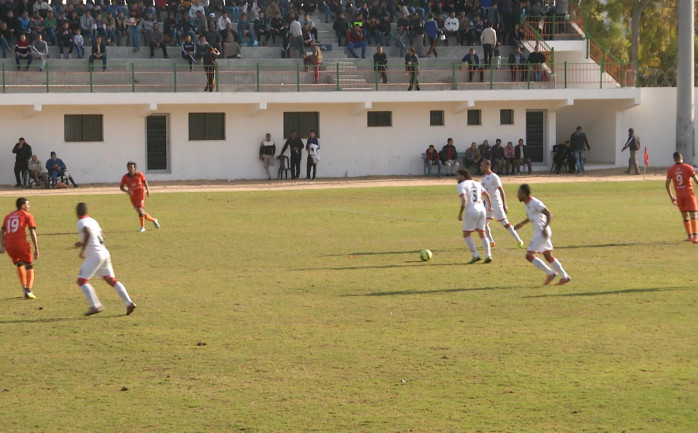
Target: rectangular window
(83,127)
(302,123)
(206,126)
(474,117)
(506,117)
(380,118)
(436,118)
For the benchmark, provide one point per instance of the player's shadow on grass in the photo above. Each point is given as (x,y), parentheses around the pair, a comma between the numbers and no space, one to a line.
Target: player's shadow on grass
(407,264)
(608,292)
(617,244)
(61,319)
(431,292)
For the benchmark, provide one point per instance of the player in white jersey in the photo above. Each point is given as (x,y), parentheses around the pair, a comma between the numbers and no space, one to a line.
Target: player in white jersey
(97,261)
(493,185)
(471,194)
(539,217)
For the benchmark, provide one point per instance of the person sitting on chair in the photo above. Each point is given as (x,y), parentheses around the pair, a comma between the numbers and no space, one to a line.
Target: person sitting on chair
(56,167)
(36,171)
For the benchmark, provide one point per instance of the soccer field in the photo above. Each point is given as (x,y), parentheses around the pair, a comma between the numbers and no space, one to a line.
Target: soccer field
(297,311)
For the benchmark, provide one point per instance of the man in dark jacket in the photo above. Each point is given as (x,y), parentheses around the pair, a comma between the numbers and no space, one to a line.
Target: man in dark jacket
(380,61)
(431,158)
(449,157)
(23,153)
(633,144)
(521,156)
(578,142)
(99,52)
(296,145)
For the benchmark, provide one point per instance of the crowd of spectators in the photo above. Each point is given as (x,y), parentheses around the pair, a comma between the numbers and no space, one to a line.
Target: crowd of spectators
(505,159)
(228,24)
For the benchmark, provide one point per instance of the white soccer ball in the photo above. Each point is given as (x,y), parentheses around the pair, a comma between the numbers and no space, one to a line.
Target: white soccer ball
(425,255)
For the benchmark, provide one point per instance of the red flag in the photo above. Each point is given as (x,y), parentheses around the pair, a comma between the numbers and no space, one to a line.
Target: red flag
(647,158)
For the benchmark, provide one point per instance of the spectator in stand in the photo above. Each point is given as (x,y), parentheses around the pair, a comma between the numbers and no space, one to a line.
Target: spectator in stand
(160,10)
(431,158)
(401,40)
(213,37)
(521,156)
(99,52)
(134,23)
(475,32)
(311,25)
(222,24)
(295,31)
(24,22)
(36,26)
(189,51)
(87,24)
(12,24)
(65,39)
(5,39)
(314,58)
(449,157)
(536,61)
(23,153)
(340,27)
(472,158)
(417,31)
(517,63)
(194,8)
(473,62)
(272,9)
(122,29)
(157,40)
(110,30)
(233,9)
(169,29)
(36,171)
(355,38)
(42,8)
(385,30)
(79,44)
(277,28)
(147,27)
(40,50)
(497,157)
(262,28)
(517,35)
(372,32)
(451,27)
(56,167)
(506,15)
(246,32)
(380,62)
(432,30)
(488,38)
(23,52)
(510,158)
(51,28)
(231,47)
(412,68)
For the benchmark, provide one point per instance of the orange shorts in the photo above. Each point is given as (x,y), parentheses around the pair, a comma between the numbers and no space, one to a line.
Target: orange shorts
(19,252)
(138,200)
(686,202)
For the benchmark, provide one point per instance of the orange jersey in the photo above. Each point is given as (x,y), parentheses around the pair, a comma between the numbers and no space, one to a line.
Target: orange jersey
(134,183)
(15,225)
(681,175)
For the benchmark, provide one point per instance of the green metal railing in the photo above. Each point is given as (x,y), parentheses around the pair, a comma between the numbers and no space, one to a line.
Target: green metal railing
(295,77)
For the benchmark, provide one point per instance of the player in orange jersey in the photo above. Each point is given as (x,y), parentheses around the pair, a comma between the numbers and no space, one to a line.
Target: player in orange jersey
(681,174)
(134,184)
(13,239)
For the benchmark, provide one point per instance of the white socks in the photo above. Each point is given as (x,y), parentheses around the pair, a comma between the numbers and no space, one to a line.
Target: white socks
(486,245)
(557,266)
(471,245)
(91,295)
(123,294)
(488,232)
(540,264)
(511,230)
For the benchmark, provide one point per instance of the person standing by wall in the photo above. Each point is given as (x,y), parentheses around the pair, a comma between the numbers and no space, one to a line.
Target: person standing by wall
(579,142)
(267,150)
(313,148)
(633,145)
(296,145)
(23,153)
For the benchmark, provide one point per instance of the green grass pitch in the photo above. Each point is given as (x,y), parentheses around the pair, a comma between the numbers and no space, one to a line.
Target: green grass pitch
(310,311)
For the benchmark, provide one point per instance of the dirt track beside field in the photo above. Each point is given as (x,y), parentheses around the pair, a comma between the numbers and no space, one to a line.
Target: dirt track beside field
(615,175)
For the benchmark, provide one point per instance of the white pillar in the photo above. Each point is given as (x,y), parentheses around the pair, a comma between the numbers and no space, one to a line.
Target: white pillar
(685,115)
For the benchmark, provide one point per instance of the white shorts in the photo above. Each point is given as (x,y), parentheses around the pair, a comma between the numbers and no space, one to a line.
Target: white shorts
(497,213)
(540,244)
(474,220)
(96,264)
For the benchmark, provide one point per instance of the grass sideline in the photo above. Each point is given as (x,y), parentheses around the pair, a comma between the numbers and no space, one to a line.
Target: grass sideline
(295,311)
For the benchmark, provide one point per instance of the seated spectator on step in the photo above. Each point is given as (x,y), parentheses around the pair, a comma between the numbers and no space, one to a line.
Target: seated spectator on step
(451,28)
(231,47)
(355,39)
(213,37)
(563,157)
(189,51)
(99,52)
(311,25)
(497,157)
(23,51)
(276,27)
(510,158)
(122,29)
(36,171)
(65,39)
(157,40)
(79,44)
(246,32)
(262,28)
(449,157)
(521,156)
(386,31)
(56,167)
(471,160)
(431,158)
(485,151)
(5,38)
(40,50)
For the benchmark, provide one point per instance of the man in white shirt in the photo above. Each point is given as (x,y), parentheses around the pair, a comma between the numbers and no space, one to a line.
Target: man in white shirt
(488,39)
(452,26)
(539,217)
(493,185)
(97,261)
(471,194)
